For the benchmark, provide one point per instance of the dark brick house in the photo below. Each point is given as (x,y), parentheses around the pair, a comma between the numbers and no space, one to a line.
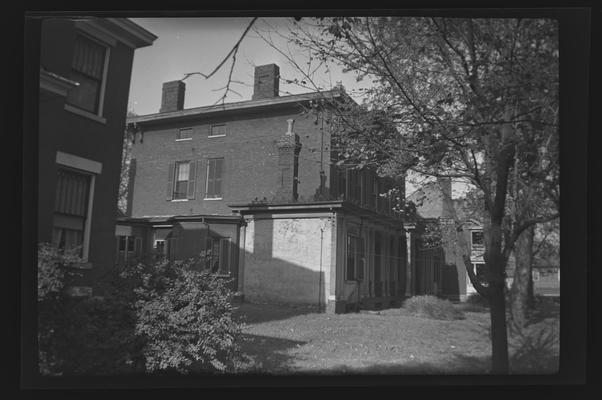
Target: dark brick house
(253,182)
(85,68)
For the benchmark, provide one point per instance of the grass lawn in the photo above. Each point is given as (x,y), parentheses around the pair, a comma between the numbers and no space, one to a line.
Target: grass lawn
(283,340)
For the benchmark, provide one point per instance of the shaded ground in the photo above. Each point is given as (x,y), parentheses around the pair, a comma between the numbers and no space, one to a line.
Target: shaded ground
(281,340)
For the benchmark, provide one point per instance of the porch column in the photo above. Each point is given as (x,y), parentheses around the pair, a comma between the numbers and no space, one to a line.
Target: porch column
(409,260)
(241,256)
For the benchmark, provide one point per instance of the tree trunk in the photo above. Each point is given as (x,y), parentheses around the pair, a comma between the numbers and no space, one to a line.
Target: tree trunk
(497,301)
(496,258)
(519,294)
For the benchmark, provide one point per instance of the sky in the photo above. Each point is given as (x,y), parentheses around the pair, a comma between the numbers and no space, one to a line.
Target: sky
(198,45)
(185,45)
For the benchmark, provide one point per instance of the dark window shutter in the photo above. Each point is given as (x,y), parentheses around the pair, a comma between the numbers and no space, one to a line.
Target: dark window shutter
(219,169)
(170,176)
(192,180)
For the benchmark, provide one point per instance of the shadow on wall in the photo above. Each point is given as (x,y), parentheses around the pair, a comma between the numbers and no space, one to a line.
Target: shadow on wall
(269,278)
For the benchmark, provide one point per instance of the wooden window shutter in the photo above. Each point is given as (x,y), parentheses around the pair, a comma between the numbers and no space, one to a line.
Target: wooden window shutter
(192,180)
(138,246)
(170,176)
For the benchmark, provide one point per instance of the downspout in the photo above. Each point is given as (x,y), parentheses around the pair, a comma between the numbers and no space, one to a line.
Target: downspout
(363,264)
(320,274)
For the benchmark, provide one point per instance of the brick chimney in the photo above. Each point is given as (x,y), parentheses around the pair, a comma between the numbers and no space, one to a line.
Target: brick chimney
(288,162)
(173,96)
(447,203)
(266,85)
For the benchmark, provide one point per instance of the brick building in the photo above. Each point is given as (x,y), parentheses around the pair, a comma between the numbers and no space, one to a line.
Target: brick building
(85,68)
(441,270)
(253,183)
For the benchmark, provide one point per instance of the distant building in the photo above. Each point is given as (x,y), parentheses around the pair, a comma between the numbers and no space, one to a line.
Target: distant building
(85,68)
(254,185)
(442,270)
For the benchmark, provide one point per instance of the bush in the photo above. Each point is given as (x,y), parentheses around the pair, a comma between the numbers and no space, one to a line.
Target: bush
(156,317)
(432,307)
(53,271)
(184,317)
(477,300)
(98,338)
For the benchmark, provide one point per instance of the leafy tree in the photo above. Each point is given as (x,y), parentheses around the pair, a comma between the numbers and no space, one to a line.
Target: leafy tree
(470,99)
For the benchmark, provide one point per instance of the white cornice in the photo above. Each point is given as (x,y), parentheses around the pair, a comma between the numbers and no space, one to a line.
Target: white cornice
(113,30)
(55,83)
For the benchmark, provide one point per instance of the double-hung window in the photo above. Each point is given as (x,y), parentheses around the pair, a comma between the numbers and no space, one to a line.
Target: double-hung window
(181,180)
(88,69)
(215,169)
(217,130)
(477,239)
(71,210)
(184,134)
(353,258)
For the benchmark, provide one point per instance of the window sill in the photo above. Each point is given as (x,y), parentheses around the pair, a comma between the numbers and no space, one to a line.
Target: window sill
(184,139)
(212,136)
(213,198)
(86,114)
(178,200)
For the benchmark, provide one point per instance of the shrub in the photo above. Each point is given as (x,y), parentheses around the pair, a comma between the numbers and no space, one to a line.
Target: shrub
(98,337)
(184,316)
(158,316)
(432,307)
(53,271)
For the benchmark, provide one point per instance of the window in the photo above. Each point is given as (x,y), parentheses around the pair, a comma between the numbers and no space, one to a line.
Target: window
(477,239)
(184,134)
(182,174)
(342,182)
(87,68)
(217,130)
(353,258)
(218,255)
(160,247)
(71,210)
(479,270)
(355,185)
(181,180)
(129,244)
(215,169)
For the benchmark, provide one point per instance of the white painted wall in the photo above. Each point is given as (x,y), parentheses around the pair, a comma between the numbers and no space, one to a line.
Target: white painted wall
(282,260)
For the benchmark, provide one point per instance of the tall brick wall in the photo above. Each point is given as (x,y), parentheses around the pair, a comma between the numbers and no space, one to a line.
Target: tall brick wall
(61,130)
(250,154)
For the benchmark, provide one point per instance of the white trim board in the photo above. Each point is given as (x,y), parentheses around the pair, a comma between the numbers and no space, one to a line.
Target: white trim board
(77,162)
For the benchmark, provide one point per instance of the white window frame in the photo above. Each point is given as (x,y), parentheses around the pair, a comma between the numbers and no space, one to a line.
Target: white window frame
(472,245)
(175,181)
(211,131)
(98,116)
(180,139)
(91,168)
(164,241)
